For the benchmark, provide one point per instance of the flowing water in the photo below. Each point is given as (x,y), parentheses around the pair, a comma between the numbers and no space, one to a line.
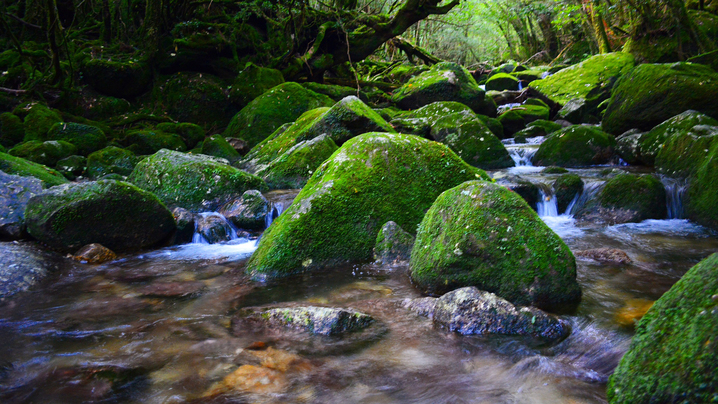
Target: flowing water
(158,327)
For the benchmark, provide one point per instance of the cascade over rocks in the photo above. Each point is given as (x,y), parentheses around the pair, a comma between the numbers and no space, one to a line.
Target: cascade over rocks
(371,179)
(247,212)
(566,187)
(116,214)
(627,198)
(482,234)
(470,311)
(446,81)
(651,93)
(576,146)
(194,182)
(674,353)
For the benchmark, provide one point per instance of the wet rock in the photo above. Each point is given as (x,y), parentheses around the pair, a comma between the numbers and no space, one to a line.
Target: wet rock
(566,188)
(47,153)
(185,222)
(629,149)
(633,311)
(94,254)
(247,212)
(674,351)
(22,265)
(526,189)
(240,145)
(111,160)
(539,127)
(72,167)
(252,82)
(171,289)
(251,379)
(193,182)
(86,138)
(14,196)
(218,146)
(393,244)
(470,311)
(611,256)
(115,214)
(20,166)
(576,146)
(213,227)
(672,134)
(190,133)
(481,234)
(371,179)
(445,81)
(319,320)
(144,142)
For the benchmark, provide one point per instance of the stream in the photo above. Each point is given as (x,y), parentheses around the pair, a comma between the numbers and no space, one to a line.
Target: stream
(157,327)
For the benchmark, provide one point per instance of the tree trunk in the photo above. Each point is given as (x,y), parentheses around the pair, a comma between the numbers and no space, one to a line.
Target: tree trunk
(599,29)
(54,32)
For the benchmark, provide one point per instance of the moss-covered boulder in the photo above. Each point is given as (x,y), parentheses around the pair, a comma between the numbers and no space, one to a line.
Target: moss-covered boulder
(393,244)
(87,138)
(25,265)
(217,146)
(628,198)
(517,118)
(115,214)
(701,202)
(653,142)
(293,168)
(651,93)
(46,153)
(72,166)
(248,212)
(576,146)
(590,80)
(144,142)
(628,147)
(252,82)
(20,166)
(198,98)
(193,182)
(12,130)
(481,234)
(418,122)
(539,127)
(334,91)
(512,122)
(38,121)
(110,160)
(501,82)
(190,133)
(471,140)
(673,356)
(446,81)
(283,103)
(123,79)
(371,179)
(566,188)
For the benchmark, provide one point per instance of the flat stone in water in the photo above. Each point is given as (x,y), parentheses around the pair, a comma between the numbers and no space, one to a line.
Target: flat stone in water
(605,255)
(319,320)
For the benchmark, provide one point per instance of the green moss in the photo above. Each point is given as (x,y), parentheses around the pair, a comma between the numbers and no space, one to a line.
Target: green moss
(539,127)
(644,196)
(404,72)
(671,134)
(19,166)
(501,82)
(493,124)
(118,78)
(482,234)
(38,121)
(87,138)
(554,170)
(12,129)
(702,204)
(72,166)
(335,92)
(673,356)
(198,98)
(651,93)
(371,179)
(193,182)
(293,168)
(252,82)
(110,160)
(575,146)
(437,110)
(512,121)
(591,79)
(566,187)
(150,141)
(191,133)
(45,153)
(217,146)
(282,104)
(471,140)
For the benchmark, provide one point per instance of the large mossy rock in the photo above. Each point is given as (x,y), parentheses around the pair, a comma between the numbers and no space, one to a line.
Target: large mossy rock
(371,179)
(576,146)
(393,244)
(674,355)
(701,202)
(446,81)
(218,146)
(471,140)
(38,121)
(86,138)
(46,153)
(123,79)
(12,129)
(194,182)
(190,133)
(651,93)
(198,98)
(293,168)
(145,142)
(501,82)
(252,82)
(590,80)
(283,103)
(482,234)
(110,160)
(116,214)
(19,166)
(651,143)
(628,198)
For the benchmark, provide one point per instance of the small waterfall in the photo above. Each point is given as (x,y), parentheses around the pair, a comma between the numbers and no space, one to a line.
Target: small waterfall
(571,204)
(521,85)
(590,190)
(675,192)
(275,209)
(522,155)
(226,226)
(547,206)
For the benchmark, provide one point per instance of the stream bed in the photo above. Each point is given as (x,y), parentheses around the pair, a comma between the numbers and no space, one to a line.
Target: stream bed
(157,327)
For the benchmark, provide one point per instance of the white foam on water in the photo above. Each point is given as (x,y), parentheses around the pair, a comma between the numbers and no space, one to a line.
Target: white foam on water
(233,250)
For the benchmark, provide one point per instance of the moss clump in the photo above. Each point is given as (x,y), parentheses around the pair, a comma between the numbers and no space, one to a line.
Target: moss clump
(194,182)
(702,204)
(115,214)
(190,133)
(123,79)
(653,142)
(45,153)
(635,197)
(87,138)
(566,187)
(335,92)
(576,146)
(283,103)
(481,234)
(501,82)
(651,93)
(539,127)
(71,167)
(218,146)
(591,79)
(19,166)
(38,121)
(554,170)
(471,140)
(446,81)
(673,356)
(150,141)
(111,160)
(512,121)
(371,179)
(198,98)
(12,130)
(393,244)
(252,82)
(293,168)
